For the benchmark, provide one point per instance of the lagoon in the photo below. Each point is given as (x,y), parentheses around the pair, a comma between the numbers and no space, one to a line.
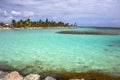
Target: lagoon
(40,50)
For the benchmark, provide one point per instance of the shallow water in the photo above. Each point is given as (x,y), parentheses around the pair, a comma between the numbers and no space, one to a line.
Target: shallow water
(41,50)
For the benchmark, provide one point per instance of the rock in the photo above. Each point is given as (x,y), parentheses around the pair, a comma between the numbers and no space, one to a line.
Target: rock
(77,79)
(91,78)
(32,77)
(13,76)
(3,74)
(49,78)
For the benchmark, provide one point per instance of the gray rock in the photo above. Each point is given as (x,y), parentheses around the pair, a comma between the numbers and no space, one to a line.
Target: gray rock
(49,78)
(13,76)
(32,77)
(3,74)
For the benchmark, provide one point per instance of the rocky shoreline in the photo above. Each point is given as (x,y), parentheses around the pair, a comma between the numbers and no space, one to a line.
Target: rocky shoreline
(14,75)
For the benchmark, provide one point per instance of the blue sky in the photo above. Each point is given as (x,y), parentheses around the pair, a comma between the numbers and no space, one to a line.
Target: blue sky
(84,12)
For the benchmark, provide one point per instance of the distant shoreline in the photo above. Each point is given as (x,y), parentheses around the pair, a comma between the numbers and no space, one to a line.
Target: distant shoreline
(5,28)
(35,27)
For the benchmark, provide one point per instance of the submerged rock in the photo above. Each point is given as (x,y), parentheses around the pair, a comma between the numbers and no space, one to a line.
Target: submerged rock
(32,77)
(13,76)
(3,74)
(92,78)
(49,78)
(77,79)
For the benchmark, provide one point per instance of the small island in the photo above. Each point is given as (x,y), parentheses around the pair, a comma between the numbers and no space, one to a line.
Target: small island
(29,24)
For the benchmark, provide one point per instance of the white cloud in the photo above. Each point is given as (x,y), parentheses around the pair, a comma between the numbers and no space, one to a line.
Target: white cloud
(65,9)
(61,8)
(54,17)
(22,14)
(7,17)
(16,13)
(10,17)
(28,14)
(3,13)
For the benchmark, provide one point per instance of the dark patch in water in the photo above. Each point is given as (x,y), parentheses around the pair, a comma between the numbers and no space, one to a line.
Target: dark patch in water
(24,69)
(32,68)
(106,50)
(85,66)
(113,46)
(90,32)
(110,45)
(116,42)
(4,65)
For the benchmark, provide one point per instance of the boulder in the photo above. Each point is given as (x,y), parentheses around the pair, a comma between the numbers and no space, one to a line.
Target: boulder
(13,76)
(32,77)
(49,78)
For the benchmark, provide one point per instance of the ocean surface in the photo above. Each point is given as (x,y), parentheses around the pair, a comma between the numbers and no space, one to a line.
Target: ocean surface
(40,50)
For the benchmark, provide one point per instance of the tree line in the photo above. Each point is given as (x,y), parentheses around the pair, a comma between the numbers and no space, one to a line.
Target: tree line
(40,23)
(2,24)
(28,23)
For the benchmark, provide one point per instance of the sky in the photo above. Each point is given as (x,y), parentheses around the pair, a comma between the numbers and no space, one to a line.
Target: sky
(105,13)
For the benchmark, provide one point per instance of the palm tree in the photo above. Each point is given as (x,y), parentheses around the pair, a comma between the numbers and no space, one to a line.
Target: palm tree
(2,24)
(13,23)
(27,22)
(75,24)
(21,23)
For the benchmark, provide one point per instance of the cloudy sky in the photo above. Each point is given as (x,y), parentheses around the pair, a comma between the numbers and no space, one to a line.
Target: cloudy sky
(84,12)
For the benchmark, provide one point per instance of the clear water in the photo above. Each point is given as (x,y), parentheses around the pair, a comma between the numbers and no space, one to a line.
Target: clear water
(41,50)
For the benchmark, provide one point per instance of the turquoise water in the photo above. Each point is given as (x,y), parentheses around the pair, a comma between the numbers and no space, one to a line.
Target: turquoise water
(41,50)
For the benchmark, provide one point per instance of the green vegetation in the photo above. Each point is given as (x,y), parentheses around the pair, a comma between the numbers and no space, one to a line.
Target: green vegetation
(2,24)
(40,23)
(28,23)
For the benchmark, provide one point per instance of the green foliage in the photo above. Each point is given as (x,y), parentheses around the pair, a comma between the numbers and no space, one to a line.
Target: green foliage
(75,24)
(13,22)
(2,24)
(40,23)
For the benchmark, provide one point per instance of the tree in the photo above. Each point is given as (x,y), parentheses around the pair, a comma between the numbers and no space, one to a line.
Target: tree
(27,22)
(13,23)
(46,20)
(2,24)
(21,23)
(75,24)
(60,24)
(67,24)
(40,23)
